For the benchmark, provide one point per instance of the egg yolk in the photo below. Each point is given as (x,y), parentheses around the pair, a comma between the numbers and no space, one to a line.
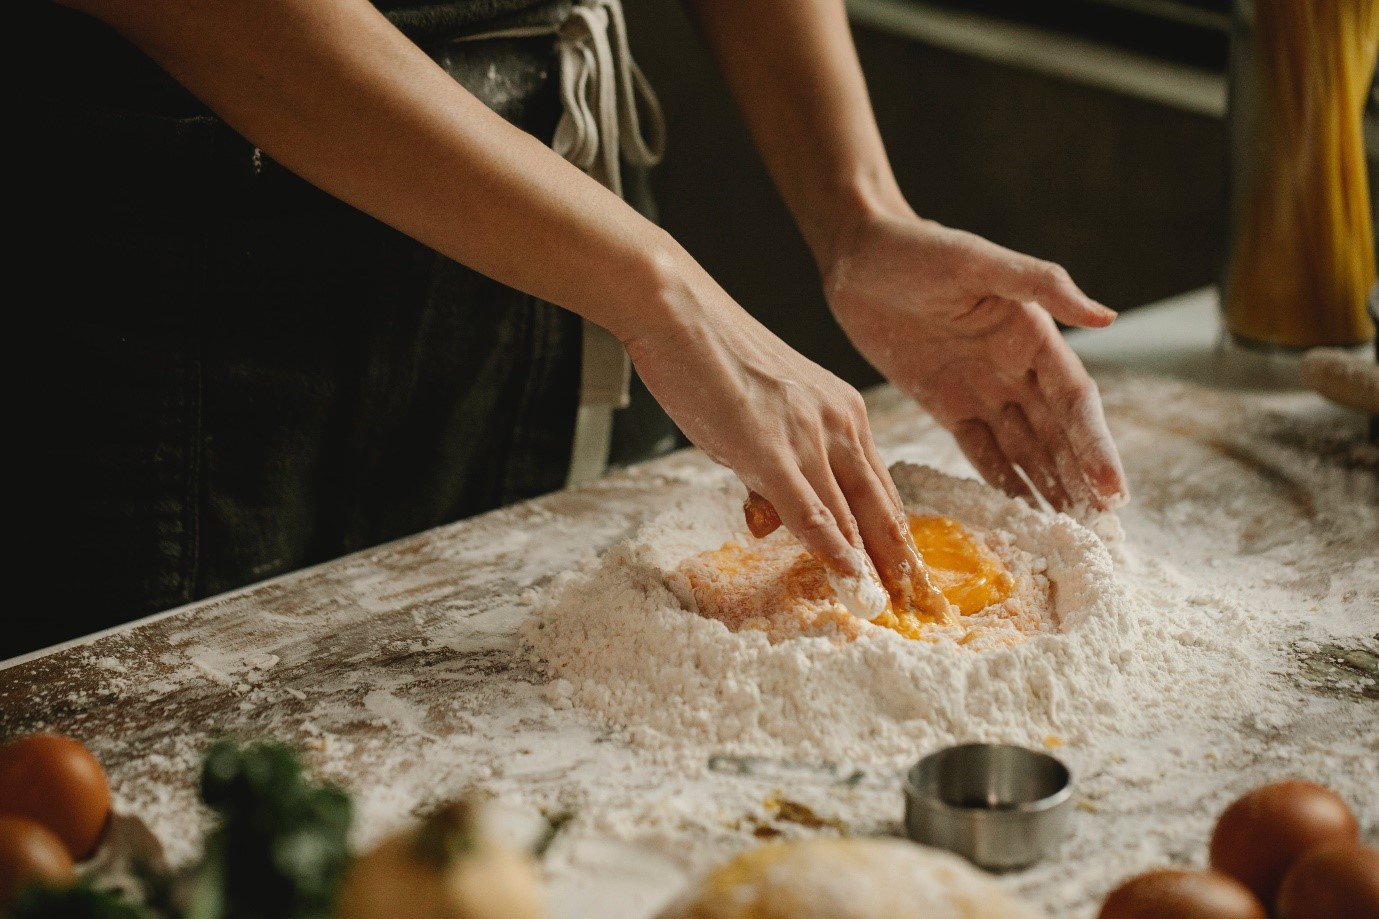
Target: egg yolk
(967,573)
(770,583)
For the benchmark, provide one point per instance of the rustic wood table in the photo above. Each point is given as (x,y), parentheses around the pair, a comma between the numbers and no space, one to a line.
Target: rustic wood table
(372,662)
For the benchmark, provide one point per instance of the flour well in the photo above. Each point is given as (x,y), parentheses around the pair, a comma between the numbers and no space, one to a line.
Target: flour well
(624,647)
(988,592)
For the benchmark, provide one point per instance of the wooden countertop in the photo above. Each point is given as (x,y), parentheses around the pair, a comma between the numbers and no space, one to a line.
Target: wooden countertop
(431,617)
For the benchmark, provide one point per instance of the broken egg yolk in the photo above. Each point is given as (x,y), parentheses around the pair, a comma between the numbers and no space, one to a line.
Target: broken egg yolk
(967,573)
(773,582)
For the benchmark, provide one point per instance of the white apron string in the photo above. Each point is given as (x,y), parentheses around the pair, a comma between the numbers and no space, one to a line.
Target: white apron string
(605,96)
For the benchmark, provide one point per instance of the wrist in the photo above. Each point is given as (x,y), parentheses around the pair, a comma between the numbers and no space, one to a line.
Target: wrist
(667,296)
(844,211)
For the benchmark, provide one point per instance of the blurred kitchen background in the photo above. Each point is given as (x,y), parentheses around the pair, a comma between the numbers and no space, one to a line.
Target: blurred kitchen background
(1089,132)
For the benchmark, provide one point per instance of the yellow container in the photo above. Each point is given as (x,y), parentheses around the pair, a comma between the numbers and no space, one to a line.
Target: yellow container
(1302,259)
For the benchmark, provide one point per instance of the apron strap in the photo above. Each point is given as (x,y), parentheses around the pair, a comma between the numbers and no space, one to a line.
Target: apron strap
(605,95)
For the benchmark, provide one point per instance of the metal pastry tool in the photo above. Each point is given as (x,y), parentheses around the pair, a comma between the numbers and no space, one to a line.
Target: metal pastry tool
(999,805)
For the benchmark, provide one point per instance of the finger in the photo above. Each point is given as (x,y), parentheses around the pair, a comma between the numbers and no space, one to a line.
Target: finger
(862,596)
(760,514)
(886,533)
(1073,398)
(808,517)
(979,445)
(1051,434)
(1049,285)
(880,520)
(818,470)
(882,471)
(1021,445)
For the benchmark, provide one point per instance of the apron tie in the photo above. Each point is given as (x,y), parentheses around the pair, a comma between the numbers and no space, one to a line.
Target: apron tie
(604,95)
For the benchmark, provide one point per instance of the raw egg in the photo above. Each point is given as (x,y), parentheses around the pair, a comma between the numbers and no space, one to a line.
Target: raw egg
(1176,894)
(1260,836)
(967,573)
(1331,882)
(30,853)
(57,782)
(777,587)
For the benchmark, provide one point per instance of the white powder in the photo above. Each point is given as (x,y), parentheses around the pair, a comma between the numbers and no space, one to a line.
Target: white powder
(620,645)
(1247,588)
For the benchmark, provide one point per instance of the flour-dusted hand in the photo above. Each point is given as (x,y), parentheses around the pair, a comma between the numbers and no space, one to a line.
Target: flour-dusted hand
(965,327)
(793,432)
(916,592)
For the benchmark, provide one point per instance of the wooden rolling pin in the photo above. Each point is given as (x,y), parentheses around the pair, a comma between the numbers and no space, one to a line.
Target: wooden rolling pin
(1343,377)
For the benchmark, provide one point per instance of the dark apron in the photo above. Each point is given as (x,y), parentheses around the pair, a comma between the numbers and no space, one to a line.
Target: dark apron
(250,375)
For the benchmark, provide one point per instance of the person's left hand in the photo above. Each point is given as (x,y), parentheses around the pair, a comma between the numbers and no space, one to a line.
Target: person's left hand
(963,326)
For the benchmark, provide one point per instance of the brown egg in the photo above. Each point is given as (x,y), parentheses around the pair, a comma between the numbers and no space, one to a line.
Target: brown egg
(30,853)
(1259,837)
(56,781)
(1175,894)
(1331,882)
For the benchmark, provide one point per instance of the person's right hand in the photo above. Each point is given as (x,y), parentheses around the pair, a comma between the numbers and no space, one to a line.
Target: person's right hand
(793,432)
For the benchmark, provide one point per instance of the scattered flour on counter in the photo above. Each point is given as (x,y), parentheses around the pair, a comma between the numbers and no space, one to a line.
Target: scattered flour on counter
(1220,647)
(620,645)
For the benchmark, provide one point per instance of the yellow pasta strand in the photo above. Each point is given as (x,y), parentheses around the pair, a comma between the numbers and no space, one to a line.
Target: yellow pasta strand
(1303,262)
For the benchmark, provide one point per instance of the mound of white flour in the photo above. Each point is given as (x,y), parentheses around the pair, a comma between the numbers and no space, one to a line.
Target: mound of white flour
(617,642)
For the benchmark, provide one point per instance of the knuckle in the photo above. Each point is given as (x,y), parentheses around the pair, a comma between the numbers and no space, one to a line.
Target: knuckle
(852,398)
(792,395)
(768,471)
(861,449)
(815,518)
(836,416)
(846,400)
(777,457)
(1077,392)
(1054,275)
(898,526)
(863,436)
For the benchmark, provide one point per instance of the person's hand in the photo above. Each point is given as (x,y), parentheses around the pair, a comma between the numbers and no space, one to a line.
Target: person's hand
(793,432)
(963,326)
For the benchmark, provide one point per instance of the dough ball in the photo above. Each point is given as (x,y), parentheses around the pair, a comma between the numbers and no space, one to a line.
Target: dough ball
(847,879)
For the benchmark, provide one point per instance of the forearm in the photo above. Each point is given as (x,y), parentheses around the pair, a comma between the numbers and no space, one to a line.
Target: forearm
(338,95)
(335,93)
(793,69)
